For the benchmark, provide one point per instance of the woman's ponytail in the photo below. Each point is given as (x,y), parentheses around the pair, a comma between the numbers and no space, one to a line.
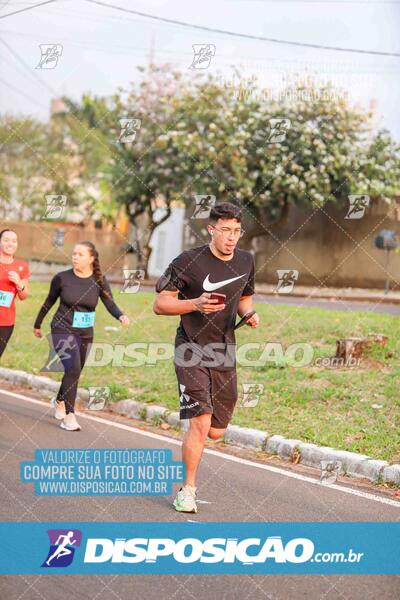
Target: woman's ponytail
(97,273)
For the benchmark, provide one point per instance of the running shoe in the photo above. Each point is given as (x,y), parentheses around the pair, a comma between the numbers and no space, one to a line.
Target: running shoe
(70,423)
(185,500)
(59,408)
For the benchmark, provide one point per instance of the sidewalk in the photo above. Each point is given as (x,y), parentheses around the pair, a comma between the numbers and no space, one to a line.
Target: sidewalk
(329,293)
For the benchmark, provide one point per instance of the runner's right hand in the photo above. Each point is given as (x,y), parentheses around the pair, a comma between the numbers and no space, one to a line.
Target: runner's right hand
(206,305)
(37,332)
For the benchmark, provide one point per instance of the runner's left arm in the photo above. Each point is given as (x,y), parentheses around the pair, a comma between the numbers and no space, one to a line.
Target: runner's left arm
(246,300)
(22,290)
(21,281)
(54,293)
(245,305)
(108,300)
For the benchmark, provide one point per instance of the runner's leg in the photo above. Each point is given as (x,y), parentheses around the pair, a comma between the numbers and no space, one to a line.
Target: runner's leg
(194,386)
(224,398)
(72,371)
(193,445)
(5,334)
(84,349)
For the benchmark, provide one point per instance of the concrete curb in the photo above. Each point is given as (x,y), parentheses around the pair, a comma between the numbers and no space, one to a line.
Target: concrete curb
(311,455)
(37,382)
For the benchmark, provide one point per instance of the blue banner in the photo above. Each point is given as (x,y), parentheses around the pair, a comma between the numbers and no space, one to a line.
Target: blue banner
(103,472)
(200,548)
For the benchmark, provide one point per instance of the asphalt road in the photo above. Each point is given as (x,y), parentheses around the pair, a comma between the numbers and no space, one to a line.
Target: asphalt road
(343,305)
(230,490)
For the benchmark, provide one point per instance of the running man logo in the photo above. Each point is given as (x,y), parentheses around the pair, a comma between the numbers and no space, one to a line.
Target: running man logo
(204,204)
(252,393)
(279,128)
(63,349)
(203,53)
(62,547)
(50,53)
(55,206)
(129,128)
(132,280)
(330,470)
(98,397)
(287,279)
(357,206)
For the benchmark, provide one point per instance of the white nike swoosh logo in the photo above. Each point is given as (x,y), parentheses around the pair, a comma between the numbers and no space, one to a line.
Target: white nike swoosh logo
(210,287)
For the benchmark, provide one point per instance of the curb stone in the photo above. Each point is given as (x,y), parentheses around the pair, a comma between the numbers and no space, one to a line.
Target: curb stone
(352,463)
(45,385)
(392,473)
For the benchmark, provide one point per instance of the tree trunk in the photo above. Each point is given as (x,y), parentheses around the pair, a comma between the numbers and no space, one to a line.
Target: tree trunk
(257,221)
(354,347)
(143,236)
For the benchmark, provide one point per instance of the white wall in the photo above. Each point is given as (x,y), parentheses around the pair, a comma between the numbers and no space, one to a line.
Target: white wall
(166,242)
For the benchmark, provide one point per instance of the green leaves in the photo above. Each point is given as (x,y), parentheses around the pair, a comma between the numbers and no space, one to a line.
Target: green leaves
(201,135)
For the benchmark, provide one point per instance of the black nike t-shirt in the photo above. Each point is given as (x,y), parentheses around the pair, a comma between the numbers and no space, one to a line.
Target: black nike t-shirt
(196,271)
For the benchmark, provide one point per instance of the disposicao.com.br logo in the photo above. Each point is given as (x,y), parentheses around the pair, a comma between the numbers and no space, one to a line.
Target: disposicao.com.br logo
(247,551)
(200,547)
(62,547)
(210,548)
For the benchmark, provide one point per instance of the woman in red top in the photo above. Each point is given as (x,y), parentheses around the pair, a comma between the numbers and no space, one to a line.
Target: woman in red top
(14,275)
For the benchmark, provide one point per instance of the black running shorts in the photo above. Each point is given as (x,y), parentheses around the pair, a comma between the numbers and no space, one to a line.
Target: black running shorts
(204,390)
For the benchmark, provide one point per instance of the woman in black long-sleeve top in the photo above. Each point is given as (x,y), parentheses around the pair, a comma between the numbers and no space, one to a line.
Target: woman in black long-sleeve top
(79,290)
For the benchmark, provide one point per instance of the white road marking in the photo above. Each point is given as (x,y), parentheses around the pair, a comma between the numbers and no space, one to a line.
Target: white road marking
(191,521)
(242,461)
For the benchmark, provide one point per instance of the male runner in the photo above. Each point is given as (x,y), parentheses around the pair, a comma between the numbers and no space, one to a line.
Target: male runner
(205,339)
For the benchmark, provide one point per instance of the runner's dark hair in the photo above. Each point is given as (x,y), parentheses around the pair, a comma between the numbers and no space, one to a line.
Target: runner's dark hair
(5,231)
(225,210)
(97,272)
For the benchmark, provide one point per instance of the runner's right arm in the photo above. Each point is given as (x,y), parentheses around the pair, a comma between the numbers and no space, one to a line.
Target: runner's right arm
(168,303)
(173,281)
(54,293)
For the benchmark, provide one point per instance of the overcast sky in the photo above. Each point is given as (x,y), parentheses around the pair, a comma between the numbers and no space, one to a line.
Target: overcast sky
(102,46)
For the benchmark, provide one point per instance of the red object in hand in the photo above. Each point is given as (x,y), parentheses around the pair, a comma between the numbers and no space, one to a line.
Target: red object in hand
(220,297)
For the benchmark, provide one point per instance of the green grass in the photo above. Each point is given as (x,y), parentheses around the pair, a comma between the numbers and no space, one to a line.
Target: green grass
(330,407)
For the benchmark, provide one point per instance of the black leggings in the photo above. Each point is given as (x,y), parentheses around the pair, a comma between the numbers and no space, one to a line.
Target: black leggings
(5,334)
(72,350)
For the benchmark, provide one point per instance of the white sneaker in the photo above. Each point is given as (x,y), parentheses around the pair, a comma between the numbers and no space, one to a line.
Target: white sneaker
(185,500)
(70,423)
(59,408)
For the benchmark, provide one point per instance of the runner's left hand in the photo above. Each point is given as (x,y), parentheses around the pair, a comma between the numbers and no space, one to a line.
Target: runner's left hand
(124,320)
(15,278)
(254,321)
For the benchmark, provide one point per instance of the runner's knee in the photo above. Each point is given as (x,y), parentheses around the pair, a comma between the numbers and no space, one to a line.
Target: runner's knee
(200,425)
(216,434)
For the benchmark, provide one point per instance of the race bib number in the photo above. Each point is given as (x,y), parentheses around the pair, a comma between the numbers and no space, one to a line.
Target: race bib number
(83,319)
(6,298)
